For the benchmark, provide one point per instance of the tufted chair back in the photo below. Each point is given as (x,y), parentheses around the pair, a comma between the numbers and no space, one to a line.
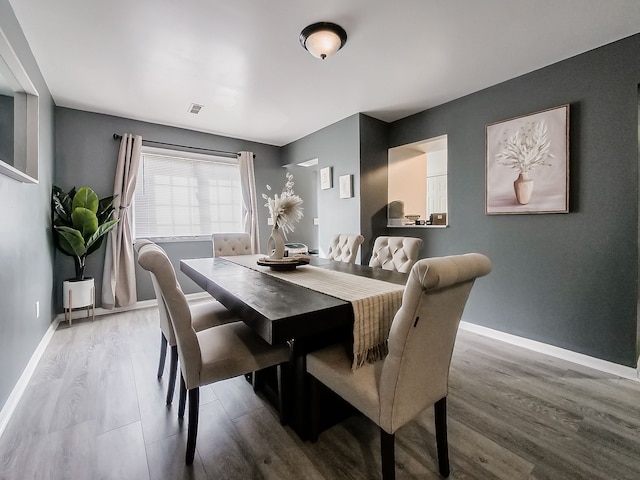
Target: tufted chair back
(227,244)
(395,253)
(416,369)
(165,325)
(344,247)
(153,258)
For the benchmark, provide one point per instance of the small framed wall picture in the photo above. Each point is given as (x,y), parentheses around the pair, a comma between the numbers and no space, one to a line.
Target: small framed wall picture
(346,186)
(326,178)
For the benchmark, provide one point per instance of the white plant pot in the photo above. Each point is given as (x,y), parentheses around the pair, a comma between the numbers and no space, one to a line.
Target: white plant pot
(78,294)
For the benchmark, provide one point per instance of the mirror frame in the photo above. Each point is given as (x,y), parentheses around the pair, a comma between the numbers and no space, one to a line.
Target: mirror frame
(25,116)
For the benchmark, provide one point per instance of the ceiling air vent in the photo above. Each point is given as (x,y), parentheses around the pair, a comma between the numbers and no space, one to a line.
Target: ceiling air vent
(195,108)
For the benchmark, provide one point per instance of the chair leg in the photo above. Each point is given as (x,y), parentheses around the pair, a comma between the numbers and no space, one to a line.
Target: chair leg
(440,414)
(313,406)
(255,378)
(163,354)
(192,431)
(387,449)
(183,398)
(173,369)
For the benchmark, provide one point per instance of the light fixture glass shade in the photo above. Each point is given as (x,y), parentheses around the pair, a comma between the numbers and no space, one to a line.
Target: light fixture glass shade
(323,44)
(323,39)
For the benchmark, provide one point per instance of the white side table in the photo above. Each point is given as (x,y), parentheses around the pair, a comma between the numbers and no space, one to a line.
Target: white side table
(78,294)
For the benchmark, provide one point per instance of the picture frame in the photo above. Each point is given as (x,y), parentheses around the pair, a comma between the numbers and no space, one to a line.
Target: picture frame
(326,178)
(346,186)
(527,164)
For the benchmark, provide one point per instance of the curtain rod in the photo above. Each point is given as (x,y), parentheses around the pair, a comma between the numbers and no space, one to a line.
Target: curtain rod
(218,152)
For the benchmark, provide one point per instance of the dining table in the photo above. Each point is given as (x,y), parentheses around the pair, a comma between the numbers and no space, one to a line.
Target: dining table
(310,306)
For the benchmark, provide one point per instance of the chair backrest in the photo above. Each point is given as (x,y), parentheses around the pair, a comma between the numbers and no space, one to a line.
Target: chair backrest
(344,247)
(415,372)
(227,244)
(154,259)
(165,325)
(395,253)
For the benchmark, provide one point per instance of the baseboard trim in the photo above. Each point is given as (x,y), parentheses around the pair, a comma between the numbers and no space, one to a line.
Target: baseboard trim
(80,314)
(623,371)
(21,385)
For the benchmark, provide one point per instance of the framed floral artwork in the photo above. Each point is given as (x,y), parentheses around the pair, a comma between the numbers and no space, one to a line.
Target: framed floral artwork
(527,163)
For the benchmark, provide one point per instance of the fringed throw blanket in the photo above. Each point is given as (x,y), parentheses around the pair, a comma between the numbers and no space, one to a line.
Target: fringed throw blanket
(375,302)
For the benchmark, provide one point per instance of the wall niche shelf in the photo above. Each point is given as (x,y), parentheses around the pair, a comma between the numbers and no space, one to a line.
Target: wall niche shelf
(417,183)
(417,226)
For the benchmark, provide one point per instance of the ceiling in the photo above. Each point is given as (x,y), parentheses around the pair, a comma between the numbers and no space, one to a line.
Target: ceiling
(150,59)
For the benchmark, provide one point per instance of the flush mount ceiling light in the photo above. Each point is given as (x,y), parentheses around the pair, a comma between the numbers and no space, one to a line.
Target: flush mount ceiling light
(323,39)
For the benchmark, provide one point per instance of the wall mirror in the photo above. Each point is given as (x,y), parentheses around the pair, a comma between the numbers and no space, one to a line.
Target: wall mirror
(417,191)
(18,118)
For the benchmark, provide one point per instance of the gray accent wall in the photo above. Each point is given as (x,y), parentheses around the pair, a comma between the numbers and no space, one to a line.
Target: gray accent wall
(86,154)
(569,280)
(356,145)
(336,146)
(26,253)
(374,141)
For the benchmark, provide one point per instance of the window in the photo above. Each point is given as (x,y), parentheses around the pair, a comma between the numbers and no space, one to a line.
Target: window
(181,194)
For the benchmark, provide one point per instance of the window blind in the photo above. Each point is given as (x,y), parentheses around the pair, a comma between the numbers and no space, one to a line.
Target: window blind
(186,196)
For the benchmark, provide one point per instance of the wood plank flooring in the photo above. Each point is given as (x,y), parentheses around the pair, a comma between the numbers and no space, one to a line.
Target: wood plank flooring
(95,410)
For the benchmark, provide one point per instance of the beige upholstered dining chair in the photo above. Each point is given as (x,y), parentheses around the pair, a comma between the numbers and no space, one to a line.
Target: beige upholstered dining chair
(205,314)
(415,373)
(395,253)
(211,355)
(226,244)
(343,247)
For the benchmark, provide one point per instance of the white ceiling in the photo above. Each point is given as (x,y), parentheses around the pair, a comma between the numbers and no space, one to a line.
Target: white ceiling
(241,59)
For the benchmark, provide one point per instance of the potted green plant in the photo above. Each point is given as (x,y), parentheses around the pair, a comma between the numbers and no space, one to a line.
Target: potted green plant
(80,221)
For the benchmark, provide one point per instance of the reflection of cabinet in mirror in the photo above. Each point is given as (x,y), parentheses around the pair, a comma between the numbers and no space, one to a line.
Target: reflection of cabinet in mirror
(417,181)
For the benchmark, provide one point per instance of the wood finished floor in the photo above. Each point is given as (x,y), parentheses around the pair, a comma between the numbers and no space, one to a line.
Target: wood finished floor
(94,410)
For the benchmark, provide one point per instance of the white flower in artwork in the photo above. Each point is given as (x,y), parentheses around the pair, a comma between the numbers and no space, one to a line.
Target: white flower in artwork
(285,209)
(527,148)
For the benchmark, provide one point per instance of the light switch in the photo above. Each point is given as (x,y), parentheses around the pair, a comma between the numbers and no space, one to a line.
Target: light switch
(316,221)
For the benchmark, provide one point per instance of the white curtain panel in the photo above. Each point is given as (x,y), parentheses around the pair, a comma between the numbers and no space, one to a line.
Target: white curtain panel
(250,203)
(118,279)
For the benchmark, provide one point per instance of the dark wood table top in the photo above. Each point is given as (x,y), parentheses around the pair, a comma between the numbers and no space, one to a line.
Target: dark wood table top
(278,310)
